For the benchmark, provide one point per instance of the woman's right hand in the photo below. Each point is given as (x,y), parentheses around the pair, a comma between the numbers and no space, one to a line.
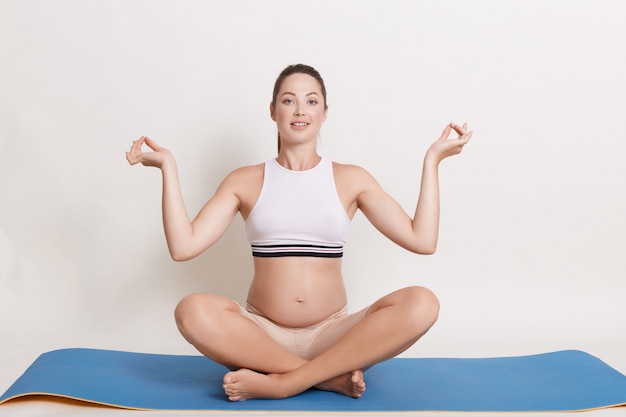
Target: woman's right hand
(155,158)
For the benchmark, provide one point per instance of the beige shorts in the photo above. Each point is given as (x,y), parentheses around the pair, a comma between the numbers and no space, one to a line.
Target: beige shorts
(307,342)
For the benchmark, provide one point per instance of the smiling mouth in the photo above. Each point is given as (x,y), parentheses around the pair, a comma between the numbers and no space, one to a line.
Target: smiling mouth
(299,124)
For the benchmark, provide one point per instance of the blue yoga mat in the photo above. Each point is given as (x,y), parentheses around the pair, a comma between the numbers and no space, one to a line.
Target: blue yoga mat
(559,381)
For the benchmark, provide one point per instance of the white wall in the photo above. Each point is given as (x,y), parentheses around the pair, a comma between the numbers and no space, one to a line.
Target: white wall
(531,254)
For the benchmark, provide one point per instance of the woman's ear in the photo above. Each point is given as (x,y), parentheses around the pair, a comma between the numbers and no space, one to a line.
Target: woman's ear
(272,112)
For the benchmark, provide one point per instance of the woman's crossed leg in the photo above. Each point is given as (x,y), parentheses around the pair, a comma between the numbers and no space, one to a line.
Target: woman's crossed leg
(216,327)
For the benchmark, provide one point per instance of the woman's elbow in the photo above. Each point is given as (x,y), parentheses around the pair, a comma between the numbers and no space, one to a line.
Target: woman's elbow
(424,249)
(429,251)
(179,255)
(186,250)
(176,257)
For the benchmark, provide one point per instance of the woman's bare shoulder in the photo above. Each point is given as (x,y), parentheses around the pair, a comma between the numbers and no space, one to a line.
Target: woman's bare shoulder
(351,172)
(245,183)
(245,174)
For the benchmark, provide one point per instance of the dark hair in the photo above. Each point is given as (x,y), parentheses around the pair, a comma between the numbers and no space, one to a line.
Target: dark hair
(297,69)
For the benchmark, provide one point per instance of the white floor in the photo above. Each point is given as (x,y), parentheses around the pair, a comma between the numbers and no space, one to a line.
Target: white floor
(13,362)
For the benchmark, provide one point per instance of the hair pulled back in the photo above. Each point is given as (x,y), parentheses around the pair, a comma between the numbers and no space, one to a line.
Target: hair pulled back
(297,69)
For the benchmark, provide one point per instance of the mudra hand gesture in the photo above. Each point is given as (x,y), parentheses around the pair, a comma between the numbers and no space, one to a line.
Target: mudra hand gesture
(155,158)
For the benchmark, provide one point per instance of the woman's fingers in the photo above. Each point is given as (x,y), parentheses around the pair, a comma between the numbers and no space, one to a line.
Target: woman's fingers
(461,131)
(446,132)
(153,157)
(445,147)
(134,155)
(151,144)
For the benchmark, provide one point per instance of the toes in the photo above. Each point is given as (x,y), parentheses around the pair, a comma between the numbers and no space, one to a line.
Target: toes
(358,383)
(232,394)
(228,378)
(229,388)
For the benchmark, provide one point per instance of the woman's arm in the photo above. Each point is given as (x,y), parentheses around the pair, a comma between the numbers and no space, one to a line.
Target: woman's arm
(186,239)
(419,234)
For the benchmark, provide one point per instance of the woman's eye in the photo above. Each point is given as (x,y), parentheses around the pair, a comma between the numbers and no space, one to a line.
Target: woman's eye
(312,101)
(287,101)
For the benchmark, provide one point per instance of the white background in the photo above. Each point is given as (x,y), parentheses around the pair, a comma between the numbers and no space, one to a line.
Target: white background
(531,251)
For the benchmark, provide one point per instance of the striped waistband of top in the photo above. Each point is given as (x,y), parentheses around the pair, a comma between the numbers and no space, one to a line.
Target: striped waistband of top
(318,251)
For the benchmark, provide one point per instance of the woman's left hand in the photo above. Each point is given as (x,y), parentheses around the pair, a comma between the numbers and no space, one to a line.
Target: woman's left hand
(445,147)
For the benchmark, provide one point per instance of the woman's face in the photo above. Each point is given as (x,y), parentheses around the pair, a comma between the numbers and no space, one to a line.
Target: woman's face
(299,110)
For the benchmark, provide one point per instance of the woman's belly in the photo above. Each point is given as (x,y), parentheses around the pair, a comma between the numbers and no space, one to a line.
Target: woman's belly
(297,291)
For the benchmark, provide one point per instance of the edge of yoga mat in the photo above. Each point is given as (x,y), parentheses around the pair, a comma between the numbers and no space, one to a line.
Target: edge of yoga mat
(440,384)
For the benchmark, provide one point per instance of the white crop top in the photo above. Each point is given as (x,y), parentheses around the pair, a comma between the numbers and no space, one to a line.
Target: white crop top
(298,213)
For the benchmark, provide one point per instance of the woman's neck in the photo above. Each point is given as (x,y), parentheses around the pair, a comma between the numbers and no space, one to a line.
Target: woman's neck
(298,160)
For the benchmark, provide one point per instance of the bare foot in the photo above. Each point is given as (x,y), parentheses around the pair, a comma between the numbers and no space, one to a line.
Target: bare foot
(244,384)
(352,384)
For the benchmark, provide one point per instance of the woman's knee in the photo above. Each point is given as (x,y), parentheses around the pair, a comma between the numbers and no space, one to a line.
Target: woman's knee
(423,305)
(198,307)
